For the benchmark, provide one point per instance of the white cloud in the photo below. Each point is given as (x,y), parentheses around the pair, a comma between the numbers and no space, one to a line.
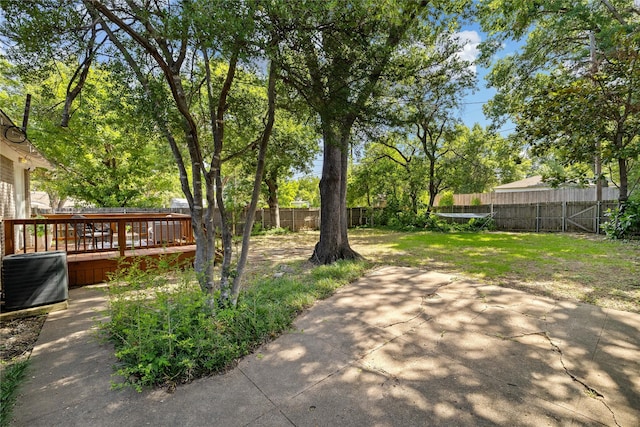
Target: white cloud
(470,41)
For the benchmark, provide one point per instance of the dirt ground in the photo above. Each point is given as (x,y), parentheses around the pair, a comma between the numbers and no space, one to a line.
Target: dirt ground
(17,338)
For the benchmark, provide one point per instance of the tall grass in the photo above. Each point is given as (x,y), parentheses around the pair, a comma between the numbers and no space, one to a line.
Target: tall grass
(166,331)
(10,381)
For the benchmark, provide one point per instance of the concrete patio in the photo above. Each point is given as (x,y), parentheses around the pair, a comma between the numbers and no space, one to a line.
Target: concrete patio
(399,347)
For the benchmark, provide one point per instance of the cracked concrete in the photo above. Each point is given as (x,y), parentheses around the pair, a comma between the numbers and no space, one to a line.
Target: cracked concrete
(400,347)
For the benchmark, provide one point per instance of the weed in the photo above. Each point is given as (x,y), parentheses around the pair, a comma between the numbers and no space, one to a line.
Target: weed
(12,377)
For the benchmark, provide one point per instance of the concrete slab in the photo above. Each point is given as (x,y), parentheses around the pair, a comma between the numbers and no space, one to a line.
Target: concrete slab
(399,347)
(354,337)
(291,364)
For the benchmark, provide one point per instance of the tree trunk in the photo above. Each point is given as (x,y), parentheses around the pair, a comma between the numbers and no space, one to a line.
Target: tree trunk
(227,240)
(272,200)
(333,244)
(414,202)
(432,184)
(266,134)
(618,143)
(624,183)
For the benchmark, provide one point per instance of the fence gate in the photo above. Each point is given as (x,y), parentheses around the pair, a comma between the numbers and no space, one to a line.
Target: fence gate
(584,220)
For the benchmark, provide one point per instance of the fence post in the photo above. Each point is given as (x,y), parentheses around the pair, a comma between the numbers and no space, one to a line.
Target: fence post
(537,217)
(564,217)
(598,217)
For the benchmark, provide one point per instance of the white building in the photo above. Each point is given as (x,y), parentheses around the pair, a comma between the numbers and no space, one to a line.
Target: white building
(18,157)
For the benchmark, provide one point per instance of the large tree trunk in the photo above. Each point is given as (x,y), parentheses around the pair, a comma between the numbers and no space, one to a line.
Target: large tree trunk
(272,200)
(334,243)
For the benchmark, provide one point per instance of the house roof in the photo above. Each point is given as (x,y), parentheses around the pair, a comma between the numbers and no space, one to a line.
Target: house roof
(40,200)
(24,148)
(533,182)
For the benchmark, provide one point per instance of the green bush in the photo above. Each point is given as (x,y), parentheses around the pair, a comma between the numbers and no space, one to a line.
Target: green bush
(476,224)
(258,230)
(446,199)
(435,223)
(166,331)
(396,217)
(623,223)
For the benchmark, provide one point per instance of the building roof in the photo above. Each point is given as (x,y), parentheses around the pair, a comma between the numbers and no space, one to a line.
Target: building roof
(40,200)
(13,138)
(533,182)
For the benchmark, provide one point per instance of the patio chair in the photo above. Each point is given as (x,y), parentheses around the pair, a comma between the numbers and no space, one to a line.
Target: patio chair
(88,231)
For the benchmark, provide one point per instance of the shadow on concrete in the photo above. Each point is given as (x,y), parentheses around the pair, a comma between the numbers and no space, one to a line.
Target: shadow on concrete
(399,347)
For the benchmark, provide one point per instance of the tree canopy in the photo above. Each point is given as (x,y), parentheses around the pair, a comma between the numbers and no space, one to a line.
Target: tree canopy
(573,87)
(334,54)
(107,155)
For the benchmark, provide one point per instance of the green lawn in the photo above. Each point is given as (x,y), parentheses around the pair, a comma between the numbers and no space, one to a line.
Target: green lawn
(583,267)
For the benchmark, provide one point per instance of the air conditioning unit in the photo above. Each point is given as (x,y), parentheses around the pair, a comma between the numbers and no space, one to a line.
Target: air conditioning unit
(34,279)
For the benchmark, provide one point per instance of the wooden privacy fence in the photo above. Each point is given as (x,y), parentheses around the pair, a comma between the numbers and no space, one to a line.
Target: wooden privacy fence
(534,196)
(568,216)
(297,219)
(544,217)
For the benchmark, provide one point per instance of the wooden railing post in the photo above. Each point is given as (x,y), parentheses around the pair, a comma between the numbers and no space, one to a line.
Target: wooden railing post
(9,235)
(122,236)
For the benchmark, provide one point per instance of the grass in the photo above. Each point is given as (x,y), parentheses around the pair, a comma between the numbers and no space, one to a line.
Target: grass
(12,377)
(580,267)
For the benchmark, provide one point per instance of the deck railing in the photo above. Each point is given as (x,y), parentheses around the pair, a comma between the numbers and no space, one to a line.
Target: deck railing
(91,233)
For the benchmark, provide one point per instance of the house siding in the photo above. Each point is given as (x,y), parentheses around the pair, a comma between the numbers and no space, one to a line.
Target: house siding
(7,188)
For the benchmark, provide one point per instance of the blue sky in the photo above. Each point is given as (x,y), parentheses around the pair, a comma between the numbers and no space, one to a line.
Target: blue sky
(471,112)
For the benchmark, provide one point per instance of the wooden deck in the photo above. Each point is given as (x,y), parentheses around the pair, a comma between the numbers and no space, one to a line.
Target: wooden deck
(92,268)
(96,244)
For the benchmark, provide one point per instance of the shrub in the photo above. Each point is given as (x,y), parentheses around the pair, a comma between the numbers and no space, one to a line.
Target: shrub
(476,224)
(623,223)
(446,199)
(275,231)
(166,331)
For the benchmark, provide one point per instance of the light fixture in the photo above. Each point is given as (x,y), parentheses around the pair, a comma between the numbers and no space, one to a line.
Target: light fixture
(15,134)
